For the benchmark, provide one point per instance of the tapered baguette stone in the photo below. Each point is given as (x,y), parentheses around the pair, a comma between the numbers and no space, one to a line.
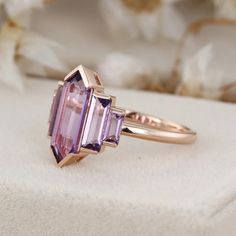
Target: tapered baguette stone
(96,124)
(67,117)
(114,126)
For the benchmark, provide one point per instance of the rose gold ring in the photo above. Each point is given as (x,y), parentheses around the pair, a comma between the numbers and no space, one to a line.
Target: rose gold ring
(84,120)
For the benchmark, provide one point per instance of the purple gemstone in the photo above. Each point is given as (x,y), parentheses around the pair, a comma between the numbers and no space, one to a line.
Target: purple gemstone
(96,123)
(67,117)
(114,126)
(81,118)
(53,112)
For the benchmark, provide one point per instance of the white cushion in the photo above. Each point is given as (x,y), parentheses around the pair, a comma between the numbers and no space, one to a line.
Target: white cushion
(139,188)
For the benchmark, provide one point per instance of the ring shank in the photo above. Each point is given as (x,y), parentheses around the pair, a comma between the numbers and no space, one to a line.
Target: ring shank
(139,125)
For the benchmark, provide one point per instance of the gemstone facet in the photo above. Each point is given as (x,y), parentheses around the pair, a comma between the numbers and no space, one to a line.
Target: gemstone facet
(69,116)
(96,123)
(54,107)
(82,117)
(114,126)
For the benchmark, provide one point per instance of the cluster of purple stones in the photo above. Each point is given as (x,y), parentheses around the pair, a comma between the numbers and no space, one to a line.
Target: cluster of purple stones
(80,118)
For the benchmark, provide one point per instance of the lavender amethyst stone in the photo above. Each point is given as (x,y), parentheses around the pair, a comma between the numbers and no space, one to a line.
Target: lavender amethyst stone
(81,118)
(96,123)
(67,116)
(114,126)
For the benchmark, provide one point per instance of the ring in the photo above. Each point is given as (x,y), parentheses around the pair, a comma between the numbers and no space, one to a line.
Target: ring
(84,120)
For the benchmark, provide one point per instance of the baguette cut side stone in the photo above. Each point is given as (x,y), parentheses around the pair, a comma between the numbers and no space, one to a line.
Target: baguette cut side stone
(67,117)
(98,114)
(114,126)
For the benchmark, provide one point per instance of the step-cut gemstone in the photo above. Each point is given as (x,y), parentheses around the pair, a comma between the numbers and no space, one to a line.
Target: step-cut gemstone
(54,107)
(67,117)
(95,128)
(114,126)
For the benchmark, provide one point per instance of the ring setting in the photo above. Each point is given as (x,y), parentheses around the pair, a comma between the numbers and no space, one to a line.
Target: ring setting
(84,120)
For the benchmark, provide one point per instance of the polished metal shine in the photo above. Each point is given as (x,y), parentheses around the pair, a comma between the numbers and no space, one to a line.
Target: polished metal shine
(132,123)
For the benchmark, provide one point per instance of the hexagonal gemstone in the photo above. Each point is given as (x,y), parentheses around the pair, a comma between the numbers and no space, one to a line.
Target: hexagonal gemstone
(114,126)
(96,124)
(67,117)
(82,118)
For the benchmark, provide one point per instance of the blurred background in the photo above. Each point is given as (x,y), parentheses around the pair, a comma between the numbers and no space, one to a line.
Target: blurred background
(184,47)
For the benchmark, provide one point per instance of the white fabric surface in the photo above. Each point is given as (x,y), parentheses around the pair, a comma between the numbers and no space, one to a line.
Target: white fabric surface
(139,188)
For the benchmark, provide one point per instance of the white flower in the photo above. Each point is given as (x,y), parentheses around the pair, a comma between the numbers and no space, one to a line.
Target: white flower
(198,77)
(10,74)
(121,70)
(43,52)
(20,10)
(225,8)
(17,44)
(164,19)
(19,7)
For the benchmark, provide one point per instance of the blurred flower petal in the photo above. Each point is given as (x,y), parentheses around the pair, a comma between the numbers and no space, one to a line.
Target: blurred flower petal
(225,8)
(20,11)
(15,8)
(173,25)
(199,79)
(123,21)
(42,51)
(121,70)
(119,20)
(17,44)
(10,74)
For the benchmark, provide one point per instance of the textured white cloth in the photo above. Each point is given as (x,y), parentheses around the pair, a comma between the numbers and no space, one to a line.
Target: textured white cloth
(139,188)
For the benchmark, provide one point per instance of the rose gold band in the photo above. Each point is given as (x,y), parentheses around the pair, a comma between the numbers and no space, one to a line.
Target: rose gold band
(139,125)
